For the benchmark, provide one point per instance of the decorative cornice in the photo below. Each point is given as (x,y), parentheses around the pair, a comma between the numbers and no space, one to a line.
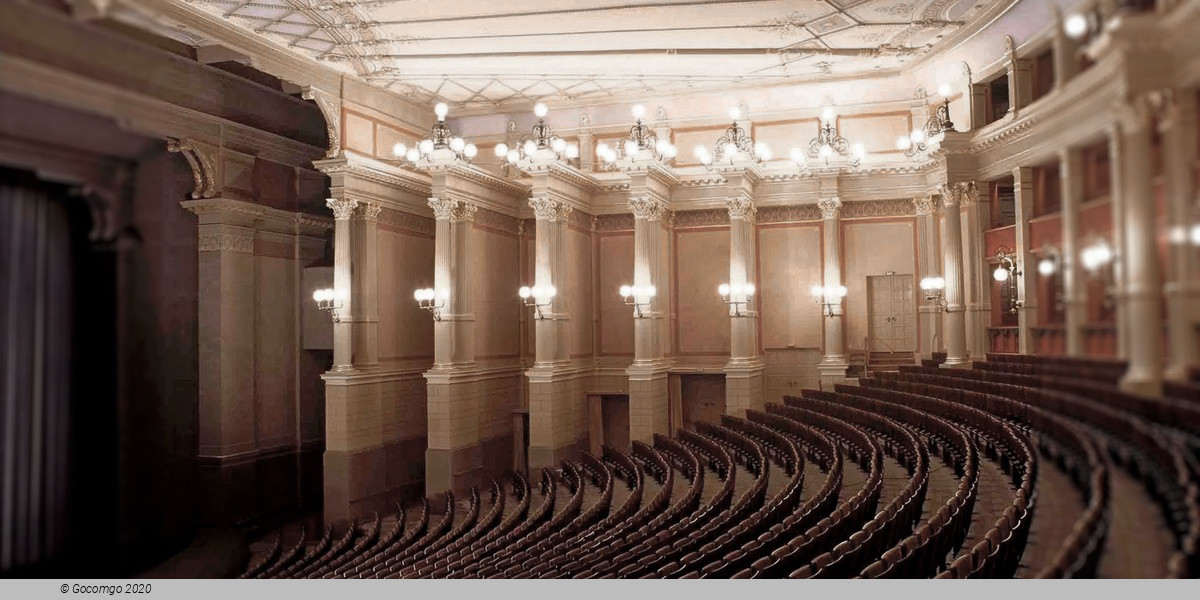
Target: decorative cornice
(343,166)
(878,208)
(493,219)
(478,175)
(788,214)
(829,207)
(647,207)
(225,242)
(580,219)
(569,174)
(343,208)
(741,208)
(204,174)
(614,187)
(701,218)
(618,222)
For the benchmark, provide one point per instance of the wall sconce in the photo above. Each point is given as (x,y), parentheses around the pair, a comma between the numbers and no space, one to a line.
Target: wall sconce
(638,296)
(934,288)
(330,300)
(830,297)
(538,296)
(1096,258)
(736,295)
(1050,261)
(1007,271)
(432,301)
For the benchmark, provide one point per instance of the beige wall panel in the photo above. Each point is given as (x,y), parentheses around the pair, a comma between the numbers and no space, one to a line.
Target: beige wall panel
(405,264)
(782,136)
(686,141)
(402,408)
(528,277)
(702,264)
(789,263)
(275,365)
(579,292)
(616,268)
(497,306)
(877,133)
(872,248)
(359,132)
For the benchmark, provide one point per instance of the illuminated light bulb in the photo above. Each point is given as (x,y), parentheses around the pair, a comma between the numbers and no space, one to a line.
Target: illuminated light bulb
(749,289)
(1194,235)
(761,148)
(1000,274)
(318,295)
(530,147)
(917,136)
(651,291)
(500,150)
(444,294)
(1046,266)
(723,289)
(797,156)
(524,292)
(540,110)
(736,289)
(670,151)
(699,151)
(735,113)
(426,146)
(638,111)
(399,150)
(631,148)
(706,160)
(817,291)
(559,145)
(419,295)
(927,283)
(944,90)
(413,155)
(441,110)
(551,291)
(828,114)
(512,156)
(859,150)
(457,144)
(729,150)
(903,143)
(601,149)
(626,291)
(826,151)
(1075,26)
(939,283)
(471,150)
(572,151)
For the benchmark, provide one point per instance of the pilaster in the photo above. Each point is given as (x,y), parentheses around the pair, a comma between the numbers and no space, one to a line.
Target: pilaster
(1026,275)
(834,363)
(928,265)
(1075,302)
(744,371)
(954,319)
(1182,290)
(977,279)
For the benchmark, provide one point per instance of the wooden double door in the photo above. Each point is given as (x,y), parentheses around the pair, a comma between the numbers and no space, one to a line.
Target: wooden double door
(892,313)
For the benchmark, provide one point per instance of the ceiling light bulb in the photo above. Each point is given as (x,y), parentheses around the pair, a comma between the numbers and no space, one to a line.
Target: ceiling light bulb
(860,150)
(318,295)
(944,90)
(426,146)
(601,149)
(826,151)
(1000,274)
(500,150)
(828,114)
(540,110)
(512,156)
(441,110)
(530,147)
(559,144)
(638,111)
(399,150)
(1046,266)
(1075,26)
(572,151)
(723,289)
(699,151)
(457,144)
(749,289)
(413,155)
(735,113)
(524,292)
(631,148)
(917,136)
(797,156)
(626,291)
(903,143)
(471,150)
(729,150)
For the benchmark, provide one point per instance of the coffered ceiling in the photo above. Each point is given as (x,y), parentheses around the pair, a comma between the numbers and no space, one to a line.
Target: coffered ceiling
(494,54)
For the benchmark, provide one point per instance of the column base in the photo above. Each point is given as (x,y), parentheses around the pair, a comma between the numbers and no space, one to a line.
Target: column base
(833,370)
(649,403)
(361,483)
(1141,386)
(744,387)
(549,458)
(956,363)
(455,470)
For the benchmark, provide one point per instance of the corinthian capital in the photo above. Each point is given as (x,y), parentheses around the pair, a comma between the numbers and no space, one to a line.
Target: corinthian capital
(545,209)
(446,209)
(741,208)
(368,211)
(830,207)
(925,205)
(342,208)
(961,193)
(1136,112)
(646,207)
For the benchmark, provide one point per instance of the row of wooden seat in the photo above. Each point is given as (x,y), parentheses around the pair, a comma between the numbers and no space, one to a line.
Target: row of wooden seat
(1106,370)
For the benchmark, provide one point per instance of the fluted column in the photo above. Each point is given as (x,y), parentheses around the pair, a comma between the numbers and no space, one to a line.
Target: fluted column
(954,319)
(550,270)
(1143,292)
(1075,303)
(1026,276)
(1116,158)
(364,285)
(744,371)
(833,365)
(343,330)
(453,458)
(928,265)
(1066,64)
(977,278)
(1178,128)
(648,400)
